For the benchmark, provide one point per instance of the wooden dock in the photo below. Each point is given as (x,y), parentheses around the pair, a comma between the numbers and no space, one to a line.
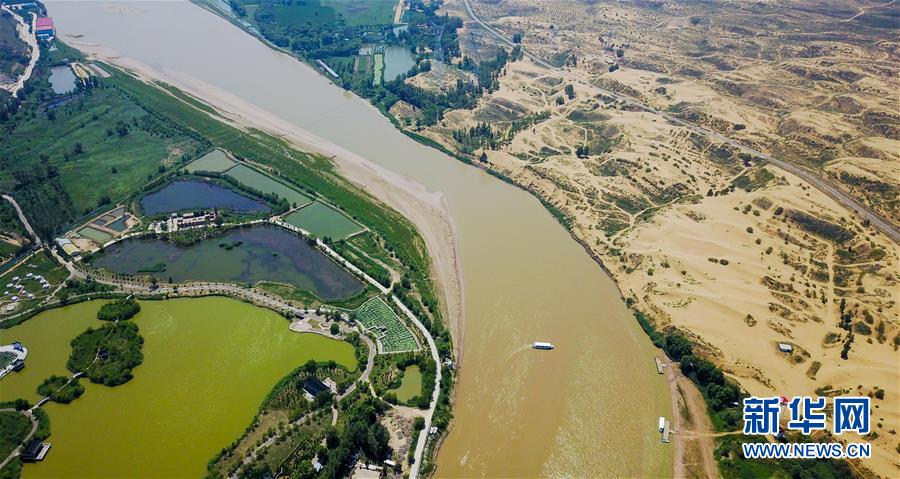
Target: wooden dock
(659,365)
(666,432)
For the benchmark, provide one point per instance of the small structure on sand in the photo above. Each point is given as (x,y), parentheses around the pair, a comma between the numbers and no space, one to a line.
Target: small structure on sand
(785,347)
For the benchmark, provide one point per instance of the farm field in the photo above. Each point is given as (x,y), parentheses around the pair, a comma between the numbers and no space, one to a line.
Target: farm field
(379,68)
(384,323)
(215,160)
(256,180)
(370,12)
(323,221)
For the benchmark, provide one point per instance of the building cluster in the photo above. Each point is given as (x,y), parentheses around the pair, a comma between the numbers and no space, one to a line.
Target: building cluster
(44,29)
(68,247)
(183,221)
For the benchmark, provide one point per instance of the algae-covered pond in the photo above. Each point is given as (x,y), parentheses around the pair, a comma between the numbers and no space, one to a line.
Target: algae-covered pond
(241,255)
(208,364)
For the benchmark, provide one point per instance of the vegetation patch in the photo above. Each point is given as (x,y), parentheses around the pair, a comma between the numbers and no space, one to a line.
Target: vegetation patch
(820,227)
(107,355)
(61,389)
(119,310)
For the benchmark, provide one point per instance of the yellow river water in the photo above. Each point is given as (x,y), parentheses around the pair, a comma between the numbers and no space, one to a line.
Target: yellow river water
(588,408)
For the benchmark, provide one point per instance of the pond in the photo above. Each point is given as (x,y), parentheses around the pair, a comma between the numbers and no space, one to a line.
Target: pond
(62,80)
(397,61)
(410,385)
(241,255)
(208,364)
(196,194)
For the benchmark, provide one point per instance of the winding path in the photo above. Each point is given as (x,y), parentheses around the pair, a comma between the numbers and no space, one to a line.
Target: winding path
(23,219)
(885,226)
(29,37)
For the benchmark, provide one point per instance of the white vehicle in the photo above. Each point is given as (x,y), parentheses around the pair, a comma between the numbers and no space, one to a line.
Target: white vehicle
(662,423)
(541,345)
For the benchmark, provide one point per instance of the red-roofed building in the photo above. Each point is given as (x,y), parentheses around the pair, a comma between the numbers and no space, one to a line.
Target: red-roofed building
(44,28)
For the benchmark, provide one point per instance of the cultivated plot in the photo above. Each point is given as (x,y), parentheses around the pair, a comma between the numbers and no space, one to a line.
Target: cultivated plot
(322,220)
(265,184)
(383,322)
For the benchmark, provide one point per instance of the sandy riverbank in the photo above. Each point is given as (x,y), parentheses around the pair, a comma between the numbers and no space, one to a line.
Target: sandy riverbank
(427,210)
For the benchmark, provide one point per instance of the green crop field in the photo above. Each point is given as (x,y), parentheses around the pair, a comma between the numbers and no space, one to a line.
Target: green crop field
(215,160)
(384,323)
(258,181)
(311,12)
(323,221)
(369,12)
(378,71)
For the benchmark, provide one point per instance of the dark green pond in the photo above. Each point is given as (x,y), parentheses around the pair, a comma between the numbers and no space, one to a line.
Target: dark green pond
(195,194)
(241,255)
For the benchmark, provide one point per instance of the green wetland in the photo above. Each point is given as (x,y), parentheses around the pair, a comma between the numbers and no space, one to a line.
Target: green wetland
(241,255)
(208,364)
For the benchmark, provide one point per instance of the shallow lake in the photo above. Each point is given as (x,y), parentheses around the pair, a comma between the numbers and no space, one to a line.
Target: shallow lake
(62,80)
(195,194)
(208,364)
(397,61)
(241,255)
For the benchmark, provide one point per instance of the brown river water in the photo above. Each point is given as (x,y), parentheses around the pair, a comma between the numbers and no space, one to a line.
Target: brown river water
(588,408)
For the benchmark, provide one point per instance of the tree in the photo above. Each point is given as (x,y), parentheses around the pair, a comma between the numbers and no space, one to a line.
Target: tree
(483,158)
(570,91)
(620,53)
(335,329)
(677,346)
(517,37)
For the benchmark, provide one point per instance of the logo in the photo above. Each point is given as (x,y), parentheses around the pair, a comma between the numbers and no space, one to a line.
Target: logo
(762,416)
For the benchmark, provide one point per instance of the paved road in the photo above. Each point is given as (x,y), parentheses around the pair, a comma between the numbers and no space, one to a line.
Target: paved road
(23,219)
(885,226)
(26,32)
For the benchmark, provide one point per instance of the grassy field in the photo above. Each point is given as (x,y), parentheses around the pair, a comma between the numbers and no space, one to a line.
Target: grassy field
(384,323)
(103,145)
(215,160)
(369,12)
(323,221)
(266,184)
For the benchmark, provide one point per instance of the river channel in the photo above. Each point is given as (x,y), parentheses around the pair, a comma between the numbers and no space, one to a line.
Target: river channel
(587,408)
